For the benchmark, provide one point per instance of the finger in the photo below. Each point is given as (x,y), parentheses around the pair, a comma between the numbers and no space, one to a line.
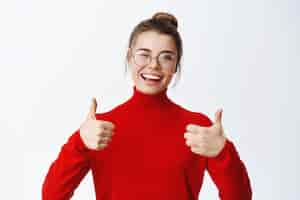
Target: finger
(107,125)
(193,128)
(105,133)
(187,135)
(101,146)
(218,116)
(197,150)
(193,145)
(108,134)
(106,139)
(190,135)
(93,109)
(190,143)
(196,138)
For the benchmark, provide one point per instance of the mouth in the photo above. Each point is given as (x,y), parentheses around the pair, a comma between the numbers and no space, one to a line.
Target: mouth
(151,79)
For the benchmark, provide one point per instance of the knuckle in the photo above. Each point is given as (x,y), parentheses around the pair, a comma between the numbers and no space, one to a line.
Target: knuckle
(193,149)
(102,125)
(206,131)
(187,134)
(103,145)
(104,140)
(98,148)
(98,124)
(111,125)
(98,139)
(101,128)
(204,150)
(187,142)
(108,133)
(108,139)
(100,131)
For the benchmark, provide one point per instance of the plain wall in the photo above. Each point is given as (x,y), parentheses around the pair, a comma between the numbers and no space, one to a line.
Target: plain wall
(242,56)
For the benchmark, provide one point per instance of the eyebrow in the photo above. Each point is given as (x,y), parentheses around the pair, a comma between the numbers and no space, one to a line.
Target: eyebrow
(163,51)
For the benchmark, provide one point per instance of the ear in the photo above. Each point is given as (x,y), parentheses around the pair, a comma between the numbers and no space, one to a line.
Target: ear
(177,65)
(175,69)
(128,54)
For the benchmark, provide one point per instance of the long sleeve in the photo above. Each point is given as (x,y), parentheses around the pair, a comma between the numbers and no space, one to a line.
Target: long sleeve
(229,174)
(66,172)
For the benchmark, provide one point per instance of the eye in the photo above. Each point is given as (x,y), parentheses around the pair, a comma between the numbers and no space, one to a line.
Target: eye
(142,54)
(167,57)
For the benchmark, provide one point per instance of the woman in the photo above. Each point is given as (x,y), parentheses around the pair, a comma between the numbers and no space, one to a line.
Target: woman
(149,147)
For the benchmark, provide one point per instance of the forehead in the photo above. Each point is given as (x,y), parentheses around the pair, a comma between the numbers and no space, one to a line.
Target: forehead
(154,41)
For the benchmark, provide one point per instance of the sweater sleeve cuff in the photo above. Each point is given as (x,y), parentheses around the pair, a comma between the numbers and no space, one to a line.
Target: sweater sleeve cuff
(224,151)
(226,157)
(78,143)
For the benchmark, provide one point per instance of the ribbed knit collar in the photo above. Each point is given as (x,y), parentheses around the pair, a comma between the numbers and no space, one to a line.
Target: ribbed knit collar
(159,100)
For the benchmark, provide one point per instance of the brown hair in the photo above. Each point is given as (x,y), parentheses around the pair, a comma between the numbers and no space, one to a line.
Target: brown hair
(164,23)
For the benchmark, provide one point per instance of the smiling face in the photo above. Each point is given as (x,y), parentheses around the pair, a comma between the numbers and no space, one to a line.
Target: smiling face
(152,60)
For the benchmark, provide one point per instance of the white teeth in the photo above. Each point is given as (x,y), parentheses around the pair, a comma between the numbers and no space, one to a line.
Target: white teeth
(150,76)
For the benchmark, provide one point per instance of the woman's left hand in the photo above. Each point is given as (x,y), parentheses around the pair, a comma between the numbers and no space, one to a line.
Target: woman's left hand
(206,141)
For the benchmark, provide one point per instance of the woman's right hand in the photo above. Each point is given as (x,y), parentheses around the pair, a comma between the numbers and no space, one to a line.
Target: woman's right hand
(96,134)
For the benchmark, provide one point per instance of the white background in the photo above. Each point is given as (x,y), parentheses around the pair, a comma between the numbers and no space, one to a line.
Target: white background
(242,56)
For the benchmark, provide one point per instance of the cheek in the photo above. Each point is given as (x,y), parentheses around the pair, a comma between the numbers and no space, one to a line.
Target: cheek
(168,77)
(135,71)
(169,74)
(171,71)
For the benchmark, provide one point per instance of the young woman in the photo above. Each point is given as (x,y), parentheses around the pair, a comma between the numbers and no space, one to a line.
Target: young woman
(149,147)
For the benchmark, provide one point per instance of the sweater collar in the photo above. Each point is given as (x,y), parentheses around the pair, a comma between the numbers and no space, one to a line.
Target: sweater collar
(158,100)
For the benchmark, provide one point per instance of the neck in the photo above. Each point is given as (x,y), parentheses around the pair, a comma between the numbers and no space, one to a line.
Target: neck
(150,100)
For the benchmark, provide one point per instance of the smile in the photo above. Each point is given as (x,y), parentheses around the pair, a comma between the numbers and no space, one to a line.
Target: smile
(151,78)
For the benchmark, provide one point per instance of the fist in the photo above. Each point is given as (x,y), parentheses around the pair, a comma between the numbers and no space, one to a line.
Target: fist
(206,141)
(96,134)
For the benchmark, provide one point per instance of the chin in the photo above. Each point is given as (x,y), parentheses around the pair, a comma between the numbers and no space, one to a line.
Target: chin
(149,90)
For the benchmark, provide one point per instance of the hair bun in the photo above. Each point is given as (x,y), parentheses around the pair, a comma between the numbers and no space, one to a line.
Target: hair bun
(166,17)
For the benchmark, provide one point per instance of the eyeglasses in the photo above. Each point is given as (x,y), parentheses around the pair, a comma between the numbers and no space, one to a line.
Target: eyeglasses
(164,59)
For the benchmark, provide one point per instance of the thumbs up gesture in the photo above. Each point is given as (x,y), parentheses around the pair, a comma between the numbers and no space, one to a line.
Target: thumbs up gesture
(96,134)
(206,141)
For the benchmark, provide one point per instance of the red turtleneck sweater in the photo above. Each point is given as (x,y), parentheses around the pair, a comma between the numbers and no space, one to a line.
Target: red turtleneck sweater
(147,158)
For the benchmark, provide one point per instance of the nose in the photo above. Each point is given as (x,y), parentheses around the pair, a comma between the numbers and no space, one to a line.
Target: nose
(154,63)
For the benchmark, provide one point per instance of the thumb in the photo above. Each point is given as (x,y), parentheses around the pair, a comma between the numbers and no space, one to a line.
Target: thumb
(93,109)
(218,116)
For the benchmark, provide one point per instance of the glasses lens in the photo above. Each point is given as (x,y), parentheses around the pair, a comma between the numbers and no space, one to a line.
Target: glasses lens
(142,58)
(166,59)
